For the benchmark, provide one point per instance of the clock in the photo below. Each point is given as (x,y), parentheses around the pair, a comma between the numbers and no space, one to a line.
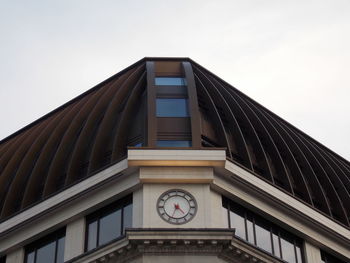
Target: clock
(176,206)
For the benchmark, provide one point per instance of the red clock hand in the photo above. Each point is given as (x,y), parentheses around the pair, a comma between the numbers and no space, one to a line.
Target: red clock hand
(181,210)
(177,206)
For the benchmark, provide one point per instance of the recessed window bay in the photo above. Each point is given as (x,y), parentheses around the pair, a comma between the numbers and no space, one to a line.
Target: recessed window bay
(172,108)
(170,81)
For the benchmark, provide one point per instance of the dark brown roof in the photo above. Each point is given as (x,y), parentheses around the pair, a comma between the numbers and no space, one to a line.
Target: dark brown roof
(93,131)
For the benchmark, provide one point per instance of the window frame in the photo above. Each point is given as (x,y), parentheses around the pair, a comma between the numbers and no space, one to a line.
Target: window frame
(36,245)
(97,215)
(274,229)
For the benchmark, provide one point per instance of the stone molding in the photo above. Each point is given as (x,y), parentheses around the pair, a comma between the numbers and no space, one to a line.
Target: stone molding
(159,242)
(179,157)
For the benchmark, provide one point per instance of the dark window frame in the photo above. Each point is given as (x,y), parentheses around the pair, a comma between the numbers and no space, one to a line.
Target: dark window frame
(274,229)
(36,245)
(96,216)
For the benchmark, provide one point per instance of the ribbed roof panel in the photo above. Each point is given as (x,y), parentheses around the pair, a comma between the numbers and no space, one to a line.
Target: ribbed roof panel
(93,131)
(71,143)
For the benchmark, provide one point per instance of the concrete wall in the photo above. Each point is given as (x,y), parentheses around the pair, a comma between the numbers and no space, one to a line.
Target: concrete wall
(209,212)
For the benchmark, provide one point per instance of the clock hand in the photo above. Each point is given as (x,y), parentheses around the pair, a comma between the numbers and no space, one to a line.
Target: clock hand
(181,210)
(174,210)
(177,206)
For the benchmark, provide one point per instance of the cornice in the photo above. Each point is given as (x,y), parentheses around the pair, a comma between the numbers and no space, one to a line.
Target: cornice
(65,196)
(137,242)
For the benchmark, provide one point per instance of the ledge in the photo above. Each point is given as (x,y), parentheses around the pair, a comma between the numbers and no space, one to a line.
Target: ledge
(64,196)
(164,241)
(180,234)
(176,157)
(187,175)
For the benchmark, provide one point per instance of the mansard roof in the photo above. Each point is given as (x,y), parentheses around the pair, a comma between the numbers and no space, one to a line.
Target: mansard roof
(93,131)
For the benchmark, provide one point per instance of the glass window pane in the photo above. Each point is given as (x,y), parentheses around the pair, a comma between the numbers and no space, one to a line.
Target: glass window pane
(263,236)
(250,230)
(174,143)
(172,108)
(92,235)
(288,253)
(263,233)
(127,220)
(276,245)
(299,257)
(110,227)
(225,216)
(30,257)
(237,222)
(60,250)
(170,81)
(46,254)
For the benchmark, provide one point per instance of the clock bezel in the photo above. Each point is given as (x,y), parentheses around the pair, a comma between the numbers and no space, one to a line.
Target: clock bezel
(177,219)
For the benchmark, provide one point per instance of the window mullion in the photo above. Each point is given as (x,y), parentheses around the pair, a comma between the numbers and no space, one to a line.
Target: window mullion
(98,233)
(271,239)
(254,232)
(246,226)
(122,230)
(56,250)
(279,243)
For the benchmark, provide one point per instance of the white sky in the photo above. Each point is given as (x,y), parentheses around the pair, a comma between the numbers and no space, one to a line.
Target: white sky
(293,56)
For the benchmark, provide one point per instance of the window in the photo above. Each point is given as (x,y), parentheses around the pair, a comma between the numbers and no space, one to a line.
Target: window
(109,223)
(3,259)
(170,81)
(172,108)
(262,233)
(47,250)
(174,143)
(327,258)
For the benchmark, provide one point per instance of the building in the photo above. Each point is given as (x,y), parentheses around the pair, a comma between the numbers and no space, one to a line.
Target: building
(166,162)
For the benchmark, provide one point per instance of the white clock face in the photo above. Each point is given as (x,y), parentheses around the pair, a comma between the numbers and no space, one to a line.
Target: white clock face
(176,206)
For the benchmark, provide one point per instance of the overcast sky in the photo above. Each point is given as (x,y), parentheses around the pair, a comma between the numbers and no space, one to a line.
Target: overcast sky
(293,57)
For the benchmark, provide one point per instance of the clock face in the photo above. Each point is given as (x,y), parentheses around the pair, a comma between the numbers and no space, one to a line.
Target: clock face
(176,206)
